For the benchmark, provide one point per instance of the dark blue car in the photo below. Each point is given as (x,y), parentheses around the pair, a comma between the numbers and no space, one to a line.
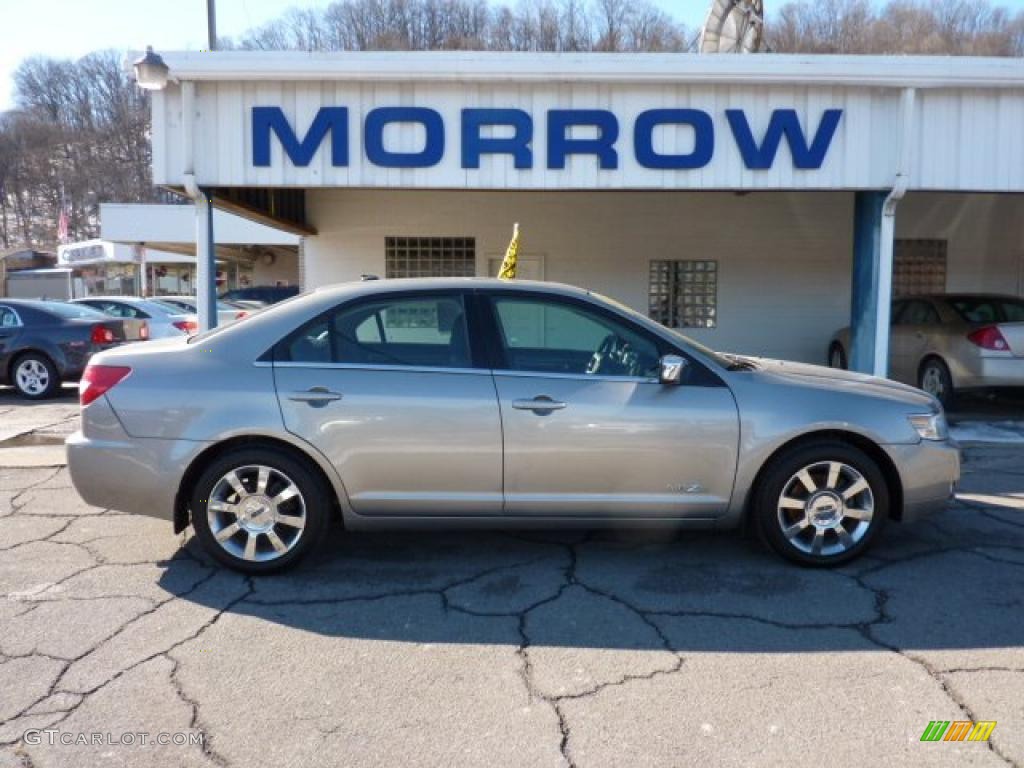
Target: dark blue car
(43,343)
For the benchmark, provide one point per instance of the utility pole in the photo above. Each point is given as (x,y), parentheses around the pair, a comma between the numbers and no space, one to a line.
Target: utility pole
(211,23)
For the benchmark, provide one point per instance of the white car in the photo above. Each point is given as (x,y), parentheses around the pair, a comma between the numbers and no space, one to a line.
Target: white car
(164,320)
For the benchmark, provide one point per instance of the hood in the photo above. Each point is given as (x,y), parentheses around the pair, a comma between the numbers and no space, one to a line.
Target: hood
(820,376)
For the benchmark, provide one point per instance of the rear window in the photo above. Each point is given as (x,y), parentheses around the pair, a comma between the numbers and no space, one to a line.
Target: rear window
(987,309)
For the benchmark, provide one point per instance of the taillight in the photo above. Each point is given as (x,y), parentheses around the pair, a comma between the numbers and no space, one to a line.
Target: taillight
(98,379)
(241,314)
(186,326)
(102,335)
(989,337)
(144,331)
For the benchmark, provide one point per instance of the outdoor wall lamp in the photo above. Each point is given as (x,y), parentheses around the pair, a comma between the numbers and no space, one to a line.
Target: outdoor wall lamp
(150,71)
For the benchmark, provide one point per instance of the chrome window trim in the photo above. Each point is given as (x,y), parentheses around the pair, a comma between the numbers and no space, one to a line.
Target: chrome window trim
(17,317)
(371,367)
(576,376)
(462,371)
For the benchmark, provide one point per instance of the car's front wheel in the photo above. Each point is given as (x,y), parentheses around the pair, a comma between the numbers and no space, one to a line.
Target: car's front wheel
(258,511)
(822,503)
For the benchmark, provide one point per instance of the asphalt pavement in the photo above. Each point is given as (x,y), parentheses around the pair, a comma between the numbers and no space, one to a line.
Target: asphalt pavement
(502,649)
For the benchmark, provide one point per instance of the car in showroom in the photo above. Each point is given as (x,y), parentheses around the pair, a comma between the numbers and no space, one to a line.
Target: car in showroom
(164,321)
(950,343)
(468,402)
(44,343)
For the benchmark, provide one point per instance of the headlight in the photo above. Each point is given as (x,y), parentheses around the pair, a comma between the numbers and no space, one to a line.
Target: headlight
(930,426)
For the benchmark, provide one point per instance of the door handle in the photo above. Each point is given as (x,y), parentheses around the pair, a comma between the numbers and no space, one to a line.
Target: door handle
(539,404)
(315,396)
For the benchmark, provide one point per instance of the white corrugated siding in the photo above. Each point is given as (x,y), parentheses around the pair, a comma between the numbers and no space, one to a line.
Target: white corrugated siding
(965,138)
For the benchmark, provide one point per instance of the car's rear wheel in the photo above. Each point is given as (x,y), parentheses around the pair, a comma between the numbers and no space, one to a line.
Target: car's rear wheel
(935,379)
(821,504)
(35,376)
(259,511)
(837,357)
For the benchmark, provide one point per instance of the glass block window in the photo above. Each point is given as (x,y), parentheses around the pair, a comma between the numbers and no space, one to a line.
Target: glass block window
(430,256)
(684,293)
(919,267)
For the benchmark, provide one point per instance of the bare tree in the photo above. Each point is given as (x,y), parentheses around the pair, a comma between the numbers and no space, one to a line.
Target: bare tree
(79,135)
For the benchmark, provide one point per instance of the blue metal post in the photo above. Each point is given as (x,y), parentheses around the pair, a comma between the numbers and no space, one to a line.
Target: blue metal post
(867,248)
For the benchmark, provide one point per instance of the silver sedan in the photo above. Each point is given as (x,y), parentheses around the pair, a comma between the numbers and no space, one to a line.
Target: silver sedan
(949,343)
(460,402)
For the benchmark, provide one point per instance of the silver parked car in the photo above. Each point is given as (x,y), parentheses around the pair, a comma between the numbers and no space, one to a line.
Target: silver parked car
(462,402)
(226,311)
(948,343)
(164,321)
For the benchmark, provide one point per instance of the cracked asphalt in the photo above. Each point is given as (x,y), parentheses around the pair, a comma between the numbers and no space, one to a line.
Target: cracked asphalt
(509,649)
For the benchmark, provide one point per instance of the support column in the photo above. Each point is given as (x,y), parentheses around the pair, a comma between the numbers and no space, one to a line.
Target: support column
(865,330)
(206,264)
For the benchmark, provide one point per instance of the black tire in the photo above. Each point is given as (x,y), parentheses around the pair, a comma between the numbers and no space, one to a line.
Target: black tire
(48,376)
(781,472)
(935,379)
(314,494)
(837,357)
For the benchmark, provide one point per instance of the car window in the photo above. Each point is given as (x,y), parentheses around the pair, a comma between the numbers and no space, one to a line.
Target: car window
(1013,311)
(975,309)
(897,312)
(116,308)
(547,335)
(918,312)
(422,331)
(7,318)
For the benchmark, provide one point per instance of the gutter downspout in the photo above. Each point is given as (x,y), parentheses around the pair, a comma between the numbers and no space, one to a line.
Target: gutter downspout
(206,264)
(887,236)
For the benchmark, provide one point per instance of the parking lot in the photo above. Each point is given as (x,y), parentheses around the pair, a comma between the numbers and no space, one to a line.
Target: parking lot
(587,649)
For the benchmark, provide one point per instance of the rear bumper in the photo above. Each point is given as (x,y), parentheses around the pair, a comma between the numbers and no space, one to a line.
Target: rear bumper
(929,472)
(113,470)
(990,372)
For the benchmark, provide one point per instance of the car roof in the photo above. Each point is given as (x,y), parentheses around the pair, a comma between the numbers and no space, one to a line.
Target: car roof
(369,287)
(950,296)
(111,298)
(36,303)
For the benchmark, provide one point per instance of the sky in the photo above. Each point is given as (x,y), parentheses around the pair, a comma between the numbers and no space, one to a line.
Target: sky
(72,28)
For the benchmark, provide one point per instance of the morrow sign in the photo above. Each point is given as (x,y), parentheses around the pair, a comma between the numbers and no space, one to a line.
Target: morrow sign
(511,132)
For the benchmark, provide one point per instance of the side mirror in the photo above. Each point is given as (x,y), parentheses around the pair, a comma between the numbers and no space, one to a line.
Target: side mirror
(672,367)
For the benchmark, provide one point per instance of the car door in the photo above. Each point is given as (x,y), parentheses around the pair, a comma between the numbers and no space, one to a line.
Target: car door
(388,389)
(912,335)
(10,326)
(589,430)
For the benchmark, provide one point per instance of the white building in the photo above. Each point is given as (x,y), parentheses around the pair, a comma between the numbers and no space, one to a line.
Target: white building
(757,201)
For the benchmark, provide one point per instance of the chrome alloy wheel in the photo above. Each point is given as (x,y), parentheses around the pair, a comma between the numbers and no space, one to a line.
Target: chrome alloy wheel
(932,383)
(256,513)
(826,508)
(32,377)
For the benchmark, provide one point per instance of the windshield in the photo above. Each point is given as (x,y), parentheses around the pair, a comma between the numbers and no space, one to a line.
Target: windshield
(719,358)
(202,336)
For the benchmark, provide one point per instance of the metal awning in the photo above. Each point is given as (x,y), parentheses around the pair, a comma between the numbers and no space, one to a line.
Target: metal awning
(172,228)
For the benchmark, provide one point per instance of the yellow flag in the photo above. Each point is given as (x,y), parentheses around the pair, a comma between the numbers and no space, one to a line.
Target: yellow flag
(508,264)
